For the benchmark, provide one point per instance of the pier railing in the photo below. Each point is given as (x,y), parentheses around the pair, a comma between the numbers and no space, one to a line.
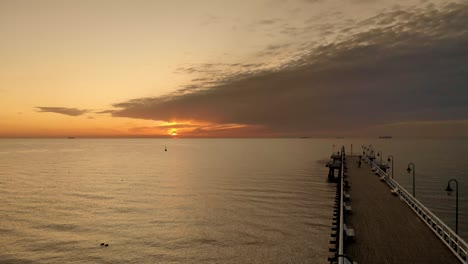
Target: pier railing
(341,223)
(340,257)
(454,242)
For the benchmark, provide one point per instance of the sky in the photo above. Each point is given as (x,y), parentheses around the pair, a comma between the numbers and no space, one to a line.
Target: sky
(215,68)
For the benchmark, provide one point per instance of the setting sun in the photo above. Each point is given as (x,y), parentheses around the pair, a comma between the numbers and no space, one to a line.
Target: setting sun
(172,132)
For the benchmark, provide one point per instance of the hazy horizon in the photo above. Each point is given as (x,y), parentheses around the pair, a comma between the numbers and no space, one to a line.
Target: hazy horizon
(381,137)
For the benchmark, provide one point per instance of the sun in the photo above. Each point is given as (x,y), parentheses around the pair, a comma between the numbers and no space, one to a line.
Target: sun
(172,132)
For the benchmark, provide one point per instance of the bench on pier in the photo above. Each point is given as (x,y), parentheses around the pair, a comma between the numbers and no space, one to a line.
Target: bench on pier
(382,178)
(346,261)
(334,257)
(347,196)
(394,191)
(346,182)
(347,208)
(349,232)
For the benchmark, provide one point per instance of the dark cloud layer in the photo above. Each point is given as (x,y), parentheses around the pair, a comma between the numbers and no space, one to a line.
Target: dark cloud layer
(403,65)
(62,110)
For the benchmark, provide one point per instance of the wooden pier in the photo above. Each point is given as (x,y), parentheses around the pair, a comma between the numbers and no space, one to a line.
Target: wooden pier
(386,229)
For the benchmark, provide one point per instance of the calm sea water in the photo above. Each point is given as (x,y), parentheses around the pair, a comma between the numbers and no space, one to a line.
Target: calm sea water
(202,201)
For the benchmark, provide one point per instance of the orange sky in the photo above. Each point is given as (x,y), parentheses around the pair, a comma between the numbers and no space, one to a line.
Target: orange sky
(65,65)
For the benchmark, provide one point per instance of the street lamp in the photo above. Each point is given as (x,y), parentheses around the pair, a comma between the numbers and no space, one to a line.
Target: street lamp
(414,171)
(371,152)
(450,190)
(391,161)
(379,153)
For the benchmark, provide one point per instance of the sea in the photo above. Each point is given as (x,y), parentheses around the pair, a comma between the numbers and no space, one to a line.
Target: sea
(201,201)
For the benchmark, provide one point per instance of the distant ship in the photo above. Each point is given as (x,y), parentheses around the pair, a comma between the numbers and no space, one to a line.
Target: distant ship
(385,137)
(71,137)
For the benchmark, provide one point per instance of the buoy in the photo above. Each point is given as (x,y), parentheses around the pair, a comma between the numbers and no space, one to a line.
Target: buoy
(106,245)
(165,148)
(102,244)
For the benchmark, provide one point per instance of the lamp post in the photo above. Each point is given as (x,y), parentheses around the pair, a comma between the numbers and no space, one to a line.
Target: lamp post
(449,190)
(391,161)
(379,153)
(414,172)
(371,153)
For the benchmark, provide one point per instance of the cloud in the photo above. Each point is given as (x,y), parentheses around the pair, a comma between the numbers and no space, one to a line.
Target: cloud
(62,110)
(313,1)
(210,19)
(398,66)
(268,21)
(104,111)
(201,130)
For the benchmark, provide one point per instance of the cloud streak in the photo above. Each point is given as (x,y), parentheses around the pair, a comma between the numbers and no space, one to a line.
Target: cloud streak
(399,66)
(201,130)
(62,110)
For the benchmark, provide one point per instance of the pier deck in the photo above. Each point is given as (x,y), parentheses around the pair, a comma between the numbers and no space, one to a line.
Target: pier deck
(386,229)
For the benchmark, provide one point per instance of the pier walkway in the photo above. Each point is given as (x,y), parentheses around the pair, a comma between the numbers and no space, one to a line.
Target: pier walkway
(386,229)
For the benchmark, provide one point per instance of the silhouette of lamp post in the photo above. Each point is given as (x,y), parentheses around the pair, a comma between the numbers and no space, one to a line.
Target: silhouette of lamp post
(372,152)
(414,172)
(391,161)
(368,150)
(379,153)
(449,191)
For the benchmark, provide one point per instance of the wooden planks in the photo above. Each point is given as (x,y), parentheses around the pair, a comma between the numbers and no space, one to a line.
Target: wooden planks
(386,229)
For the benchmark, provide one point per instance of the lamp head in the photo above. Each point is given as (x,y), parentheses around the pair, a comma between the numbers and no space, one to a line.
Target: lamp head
(378,154)
(408,169)
(449,189)
(388,159)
